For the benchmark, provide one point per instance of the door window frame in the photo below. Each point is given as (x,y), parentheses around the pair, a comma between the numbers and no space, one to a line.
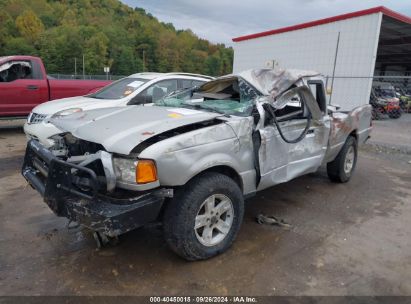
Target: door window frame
(34,75)
(321,99)
(298,114)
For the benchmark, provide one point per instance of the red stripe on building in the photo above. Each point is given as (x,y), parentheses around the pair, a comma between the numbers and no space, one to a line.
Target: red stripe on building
(374,10)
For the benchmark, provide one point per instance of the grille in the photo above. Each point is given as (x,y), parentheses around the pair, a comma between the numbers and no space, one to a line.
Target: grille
(35,118)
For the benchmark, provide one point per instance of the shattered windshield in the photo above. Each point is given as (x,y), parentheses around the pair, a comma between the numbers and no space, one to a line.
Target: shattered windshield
(119,89)
(231,96)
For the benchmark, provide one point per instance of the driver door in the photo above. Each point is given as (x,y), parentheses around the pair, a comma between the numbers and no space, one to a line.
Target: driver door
(281,161)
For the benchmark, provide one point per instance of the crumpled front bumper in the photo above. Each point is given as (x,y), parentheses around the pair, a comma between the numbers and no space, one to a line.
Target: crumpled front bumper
(42,132)
(71,191)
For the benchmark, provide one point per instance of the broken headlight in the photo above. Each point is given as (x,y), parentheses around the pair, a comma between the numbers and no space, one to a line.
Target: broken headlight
(66,112)
(130,171)
(125,169)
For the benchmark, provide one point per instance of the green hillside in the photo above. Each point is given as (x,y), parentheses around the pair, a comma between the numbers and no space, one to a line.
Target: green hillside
(107,32)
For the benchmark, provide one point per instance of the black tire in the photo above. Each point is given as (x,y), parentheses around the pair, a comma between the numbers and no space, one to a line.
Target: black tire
(395,114)
(374,114)
(403,105)
(336,169)
(180,215)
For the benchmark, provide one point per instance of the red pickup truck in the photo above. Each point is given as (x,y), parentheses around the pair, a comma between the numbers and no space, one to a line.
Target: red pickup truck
(24,84)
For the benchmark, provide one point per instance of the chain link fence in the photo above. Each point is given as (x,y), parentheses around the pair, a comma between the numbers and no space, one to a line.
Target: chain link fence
(390,95)
(388,90)
(87,77)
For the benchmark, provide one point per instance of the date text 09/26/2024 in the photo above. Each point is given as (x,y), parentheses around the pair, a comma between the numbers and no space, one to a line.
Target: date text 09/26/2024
(199,299)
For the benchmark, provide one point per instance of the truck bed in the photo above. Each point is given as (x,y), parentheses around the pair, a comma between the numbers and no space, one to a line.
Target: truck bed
(344,123)
(60,88)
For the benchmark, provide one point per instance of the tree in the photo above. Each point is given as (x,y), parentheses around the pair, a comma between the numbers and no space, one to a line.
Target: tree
(125,62)
(213,65)
(69,18)
(18,46)
(6,29)
(29,25)
(108,33)
(96,53)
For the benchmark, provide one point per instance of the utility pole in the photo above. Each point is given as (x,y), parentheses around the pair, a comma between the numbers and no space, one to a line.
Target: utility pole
(84,69)
(144,60)
(143,47)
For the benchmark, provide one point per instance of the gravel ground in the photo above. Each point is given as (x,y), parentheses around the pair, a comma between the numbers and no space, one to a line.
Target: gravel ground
(394,134)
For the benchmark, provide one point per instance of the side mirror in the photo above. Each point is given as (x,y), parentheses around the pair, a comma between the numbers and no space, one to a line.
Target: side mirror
(333,108)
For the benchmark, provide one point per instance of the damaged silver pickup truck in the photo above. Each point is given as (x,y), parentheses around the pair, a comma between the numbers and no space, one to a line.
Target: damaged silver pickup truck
(192,158)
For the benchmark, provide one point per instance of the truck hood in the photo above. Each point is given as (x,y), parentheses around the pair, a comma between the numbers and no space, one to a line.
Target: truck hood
(83,102)
(121,129)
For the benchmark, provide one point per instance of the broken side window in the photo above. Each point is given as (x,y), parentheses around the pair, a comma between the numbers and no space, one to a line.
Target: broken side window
(293,106)
(247,93)
(317,90)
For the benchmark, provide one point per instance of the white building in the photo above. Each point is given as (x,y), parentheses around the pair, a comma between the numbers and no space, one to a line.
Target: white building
(375,41)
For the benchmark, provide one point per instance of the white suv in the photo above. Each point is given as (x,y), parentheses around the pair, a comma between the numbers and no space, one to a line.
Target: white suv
(136,89)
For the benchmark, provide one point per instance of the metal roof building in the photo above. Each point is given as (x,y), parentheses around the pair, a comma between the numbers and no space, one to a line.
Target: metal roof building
(375,41)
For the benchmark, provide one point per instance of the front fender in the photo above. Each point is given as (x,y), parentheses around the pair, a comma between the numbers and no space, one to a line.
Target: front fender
(177,168)
(182,157)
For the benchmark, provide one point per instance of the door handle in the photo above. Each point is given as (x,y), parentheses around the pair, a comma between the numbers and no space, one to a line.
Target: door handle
(32,87)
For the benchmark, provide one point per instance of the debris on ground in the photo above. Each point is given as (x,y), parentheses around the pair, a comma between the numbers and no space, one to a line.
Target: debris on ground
(106,253)
(49,235)
(72,225)
(271,220)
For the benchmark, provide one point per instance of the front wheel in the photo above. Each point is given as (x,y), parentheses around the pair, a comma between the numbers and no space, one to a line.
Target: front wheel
(342,167)
(204,217)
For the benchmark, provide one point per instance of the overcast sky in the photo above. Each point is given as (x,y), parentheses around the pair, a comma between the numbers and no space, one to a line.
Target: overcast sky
(222,20)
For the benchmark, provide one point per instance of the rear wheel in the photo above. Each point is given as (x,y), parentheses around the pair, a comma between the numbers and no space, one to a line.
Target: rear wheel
(395,113)
(204,217)
(342,167)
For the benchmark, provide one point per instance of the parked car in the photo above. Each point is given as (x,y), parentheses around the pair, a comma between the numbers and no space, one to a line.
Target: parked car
(141,88)
(24,84)
(192,158)
(405,99)
(384,101)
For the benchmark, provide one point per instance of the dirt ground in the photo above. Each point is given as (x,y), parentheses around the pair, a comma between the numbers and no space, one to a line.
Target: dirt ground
(346,239)
(393,133)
